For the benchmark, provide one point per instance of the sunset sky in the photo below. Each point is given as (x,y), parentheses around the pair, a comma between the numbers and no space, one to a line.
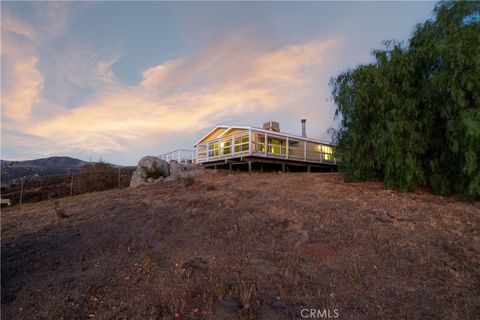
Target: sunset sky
(120,80)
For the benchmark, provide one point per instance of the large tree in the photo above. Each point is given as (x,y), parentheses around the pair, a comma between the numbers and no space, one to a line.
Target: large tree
(412,117)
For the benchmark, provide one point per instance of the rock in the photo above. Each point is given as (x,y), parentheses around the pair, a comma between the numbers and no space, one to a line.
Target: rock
(183,175)
(176,168)
(148,170)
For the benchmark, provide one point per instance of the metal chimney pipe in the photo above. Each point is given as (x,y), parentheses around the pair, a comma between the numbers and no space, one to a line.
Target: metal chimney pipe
(304,128)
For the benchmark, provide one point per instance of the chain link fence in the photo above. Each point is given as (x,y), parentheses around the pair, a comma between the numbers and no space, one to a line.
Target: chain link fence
(37,188)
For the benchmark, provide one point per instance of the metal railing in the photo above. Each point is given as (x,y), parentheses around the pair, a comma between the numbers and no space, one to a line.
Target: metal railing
(183,156)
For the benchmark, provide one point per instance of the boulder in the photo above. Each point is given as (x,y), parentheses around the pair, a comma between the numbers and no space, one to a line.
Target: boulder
(149,170)
(176,168)
(183,175)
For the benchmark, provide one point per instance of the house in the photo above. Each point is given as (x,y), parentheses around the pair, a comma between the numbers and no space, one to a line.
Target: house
(236,145)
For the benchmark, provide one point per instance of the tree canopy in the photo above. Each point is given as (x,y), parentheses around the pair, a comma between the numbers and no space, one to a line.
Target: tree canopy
(412,117)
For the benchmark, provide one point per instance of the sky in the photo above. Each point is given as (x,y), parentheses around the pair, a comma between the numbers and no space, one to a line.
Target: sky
(120,80)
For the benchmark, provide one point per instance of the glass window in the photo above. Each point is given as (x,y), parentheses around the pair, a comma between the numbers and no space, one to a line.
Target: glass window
(241,144)
(213,149)
(327,152)
(276,145)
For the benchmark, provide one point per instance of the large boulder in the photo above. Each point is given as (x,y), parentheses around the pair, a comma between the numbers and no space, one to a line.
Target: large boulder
(149,170)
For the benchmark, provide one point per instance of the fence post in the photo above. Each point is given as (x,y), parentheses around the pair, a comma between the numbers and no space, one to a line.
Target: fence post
(119,169)
(71,185)
(21,192)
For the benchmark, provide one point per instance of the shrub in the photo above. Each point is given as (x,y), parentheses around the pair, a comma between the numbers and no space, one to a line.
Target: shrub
(95,177)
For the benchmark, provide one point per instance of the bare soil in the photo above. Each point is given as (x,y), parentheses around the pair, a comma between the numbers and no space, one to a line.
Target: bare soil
(242,246)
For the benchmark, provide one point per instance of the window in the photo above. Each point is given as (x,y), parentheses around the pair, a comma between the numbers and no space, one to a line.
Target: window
(241,144)
(327,152)
(276,146)
(225,147)
(213,149)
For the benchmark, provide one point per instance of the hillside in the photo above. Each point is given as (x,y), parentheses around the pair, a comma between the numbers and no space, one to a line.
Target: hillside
(41,167)
(259,246)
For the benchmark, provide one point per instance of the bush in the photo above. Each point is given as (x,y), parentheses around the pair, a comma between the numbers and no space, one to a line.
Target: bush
(95,177)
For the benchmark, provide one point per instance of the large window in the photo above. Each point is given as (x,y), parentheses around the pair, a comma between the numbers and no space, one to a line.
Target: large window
(276,145)
(213,149)
(226,147)
(327,152)
(241,144)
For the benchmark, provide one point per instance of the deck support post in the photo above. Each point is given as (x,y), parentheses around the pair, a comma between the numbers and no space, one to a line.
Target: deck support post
(230,167)
(309,168)
(250,166)
(283,167)
(261,168)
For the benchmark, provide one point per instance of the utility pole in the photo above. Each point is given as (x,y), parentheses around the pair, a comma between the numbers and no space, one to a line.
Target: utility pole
(71,185)
(21,191)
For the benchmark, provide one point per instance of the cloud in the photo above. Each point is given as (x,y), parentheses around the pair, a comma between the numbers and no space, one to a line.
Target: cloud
(187,95)
(82,67)
(22,81)
(11,24)
(54,18)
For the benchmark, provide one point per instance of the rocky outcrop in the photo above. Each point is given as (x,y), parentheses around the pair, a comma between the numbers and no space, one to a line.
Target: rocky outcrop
(152,170)
(182,171)
(149,170)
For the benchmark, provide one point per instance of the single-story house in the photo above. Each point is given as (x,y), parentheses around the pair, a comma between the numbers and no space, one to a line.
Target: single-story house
(246,144)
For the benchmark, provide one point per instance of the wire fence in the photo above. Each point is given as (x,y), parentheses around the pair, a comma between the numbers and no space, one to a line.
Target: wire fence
(37,188)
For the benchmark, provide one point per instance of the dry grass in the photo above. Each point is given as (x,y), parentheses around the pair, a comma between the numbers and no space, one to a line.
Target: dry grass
(260,246)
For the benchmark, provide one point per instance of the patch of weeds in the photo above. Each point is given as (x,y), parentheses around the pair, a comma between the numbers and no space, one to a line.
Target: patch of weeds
(146,204)
(211,187)
(189,181)
(150,261)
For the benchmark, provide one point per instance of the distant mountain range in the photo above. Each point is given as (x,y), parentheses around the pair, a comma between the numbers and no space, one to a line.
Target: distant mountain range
(39,167)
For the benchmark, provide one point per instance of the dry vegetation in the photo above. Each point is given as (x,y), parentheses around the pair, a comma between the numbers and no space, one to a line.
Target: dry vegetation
(260,246)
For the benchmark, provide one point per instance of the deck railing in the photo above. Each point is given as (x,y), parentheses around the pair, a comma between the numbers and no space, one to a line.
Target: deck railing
(258,144)
(181,156)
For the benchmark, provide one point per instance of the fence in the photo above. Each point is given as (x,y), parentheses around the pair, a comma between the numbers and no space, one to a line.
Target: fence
(37,188)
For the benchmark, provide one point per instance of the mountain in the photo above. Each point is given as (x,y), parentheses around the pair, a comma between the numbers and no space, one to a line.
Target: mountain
(39,167)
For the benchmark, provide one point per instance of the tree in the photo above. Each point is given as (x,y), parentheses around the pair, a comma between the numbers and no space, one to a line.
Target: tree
(412,118)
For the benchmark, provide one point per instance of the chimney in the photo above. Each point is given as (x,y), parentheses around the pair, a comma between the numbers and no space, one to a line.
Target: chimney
(272,126)
(304,128)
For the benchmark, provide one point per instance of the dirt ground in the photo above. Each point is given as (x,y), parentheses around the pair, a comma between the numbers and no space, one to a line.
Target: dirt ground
(243,246)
